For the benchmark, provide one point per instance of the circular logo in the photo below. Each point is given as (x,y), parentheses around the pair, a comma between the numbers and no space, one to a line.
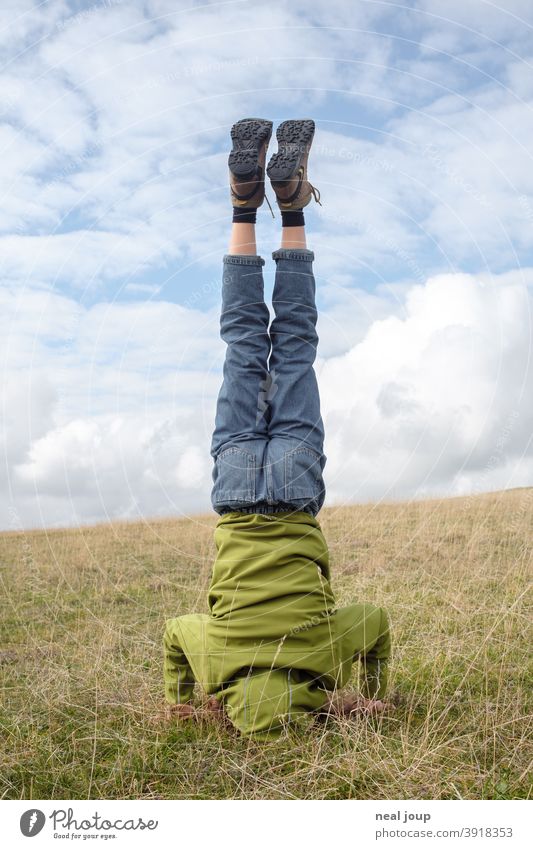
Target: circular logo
(31,822)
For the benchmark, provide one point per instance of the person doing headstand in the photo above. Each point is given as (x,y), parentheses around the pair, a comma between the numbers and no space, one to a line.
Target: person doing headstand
(274,646)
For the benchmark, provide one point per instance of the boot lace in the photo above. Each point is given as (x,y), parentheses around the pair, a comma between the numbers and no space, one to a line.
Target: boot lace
(271,210)
(316,194)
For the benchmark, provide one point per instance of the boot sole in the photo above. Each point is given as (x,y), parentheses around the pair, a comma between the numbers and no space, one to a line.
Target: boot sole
(294,140)
(248,136)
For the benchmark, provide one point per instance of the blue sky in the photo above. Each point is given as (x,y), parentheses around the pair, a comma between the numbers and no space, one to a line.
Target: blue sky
(114,132)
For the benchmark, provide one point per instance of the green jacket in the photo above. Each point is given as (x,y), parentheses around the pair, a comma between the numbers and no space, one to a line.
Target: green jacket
(273,642)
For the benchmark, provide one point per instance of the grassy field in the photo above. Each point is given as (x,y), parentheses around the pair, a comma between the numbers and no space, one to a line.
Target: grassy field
(80,657)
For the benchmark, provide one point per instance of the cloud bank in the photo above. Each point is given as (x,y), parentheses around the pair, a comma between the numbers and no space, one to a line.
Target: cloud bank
(114,127)
(434,399)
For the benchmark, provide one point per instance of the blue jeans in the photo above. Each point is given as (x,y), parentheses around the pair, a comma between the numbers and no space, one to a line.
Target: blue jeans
(268,440)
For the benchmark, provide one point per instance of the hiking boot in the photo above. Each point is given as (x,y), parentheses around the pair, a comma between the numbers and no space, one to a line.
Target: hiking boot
(247,162)
(287,168)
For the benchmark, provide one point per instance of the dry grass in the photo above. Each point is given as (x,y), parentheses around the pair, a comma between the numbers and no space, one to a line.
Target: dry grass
(82,626)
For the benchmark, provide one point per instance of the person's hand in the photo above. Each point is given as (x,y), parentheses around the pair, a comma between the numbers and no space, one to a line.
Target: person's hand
(370,706)
(210,710)
(355,705)
(181,711)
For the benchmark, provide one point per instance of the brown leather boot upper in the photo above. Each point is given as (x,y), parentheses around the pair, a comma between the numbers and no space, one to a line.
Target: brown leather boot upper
(247,162)
(287,168)
(295,193)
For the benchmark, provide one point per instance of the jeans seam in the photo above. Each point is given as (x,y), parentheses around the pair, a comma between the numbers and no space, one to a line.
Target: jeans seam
(298,254)
(265,509)
(243,259)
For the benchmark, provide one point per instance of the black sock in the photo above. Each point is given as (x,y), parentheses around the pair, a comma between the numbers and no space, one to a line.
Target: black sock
(244,216)
(292,218)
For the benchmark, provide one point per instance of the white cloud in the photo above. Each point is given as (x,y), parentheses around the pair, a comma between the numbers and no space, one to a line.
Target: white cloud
(430,401)
(115,420)
(107,411)
(121,113)
(102,468)
(27,415)
(498,22)
(114,134)
(127,114)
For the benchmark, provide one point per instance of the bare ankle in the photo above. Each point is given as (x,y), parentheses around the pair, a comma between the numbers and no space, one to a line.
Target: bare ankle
(242,241)
(293,237)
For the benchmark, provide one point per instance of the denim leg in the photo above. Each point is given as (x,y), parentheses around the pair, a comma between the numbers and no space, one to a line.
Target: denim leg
(241,422)
(296,430)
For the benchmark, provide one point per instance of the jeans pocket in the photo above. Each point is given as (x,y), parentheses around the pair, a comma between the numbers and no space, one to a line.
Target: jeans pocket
(234,476)
(303,473)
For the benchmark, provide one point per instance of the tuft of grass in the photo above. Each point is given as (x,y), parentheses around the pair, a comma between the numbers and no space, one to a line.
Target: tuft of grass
(83,612)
